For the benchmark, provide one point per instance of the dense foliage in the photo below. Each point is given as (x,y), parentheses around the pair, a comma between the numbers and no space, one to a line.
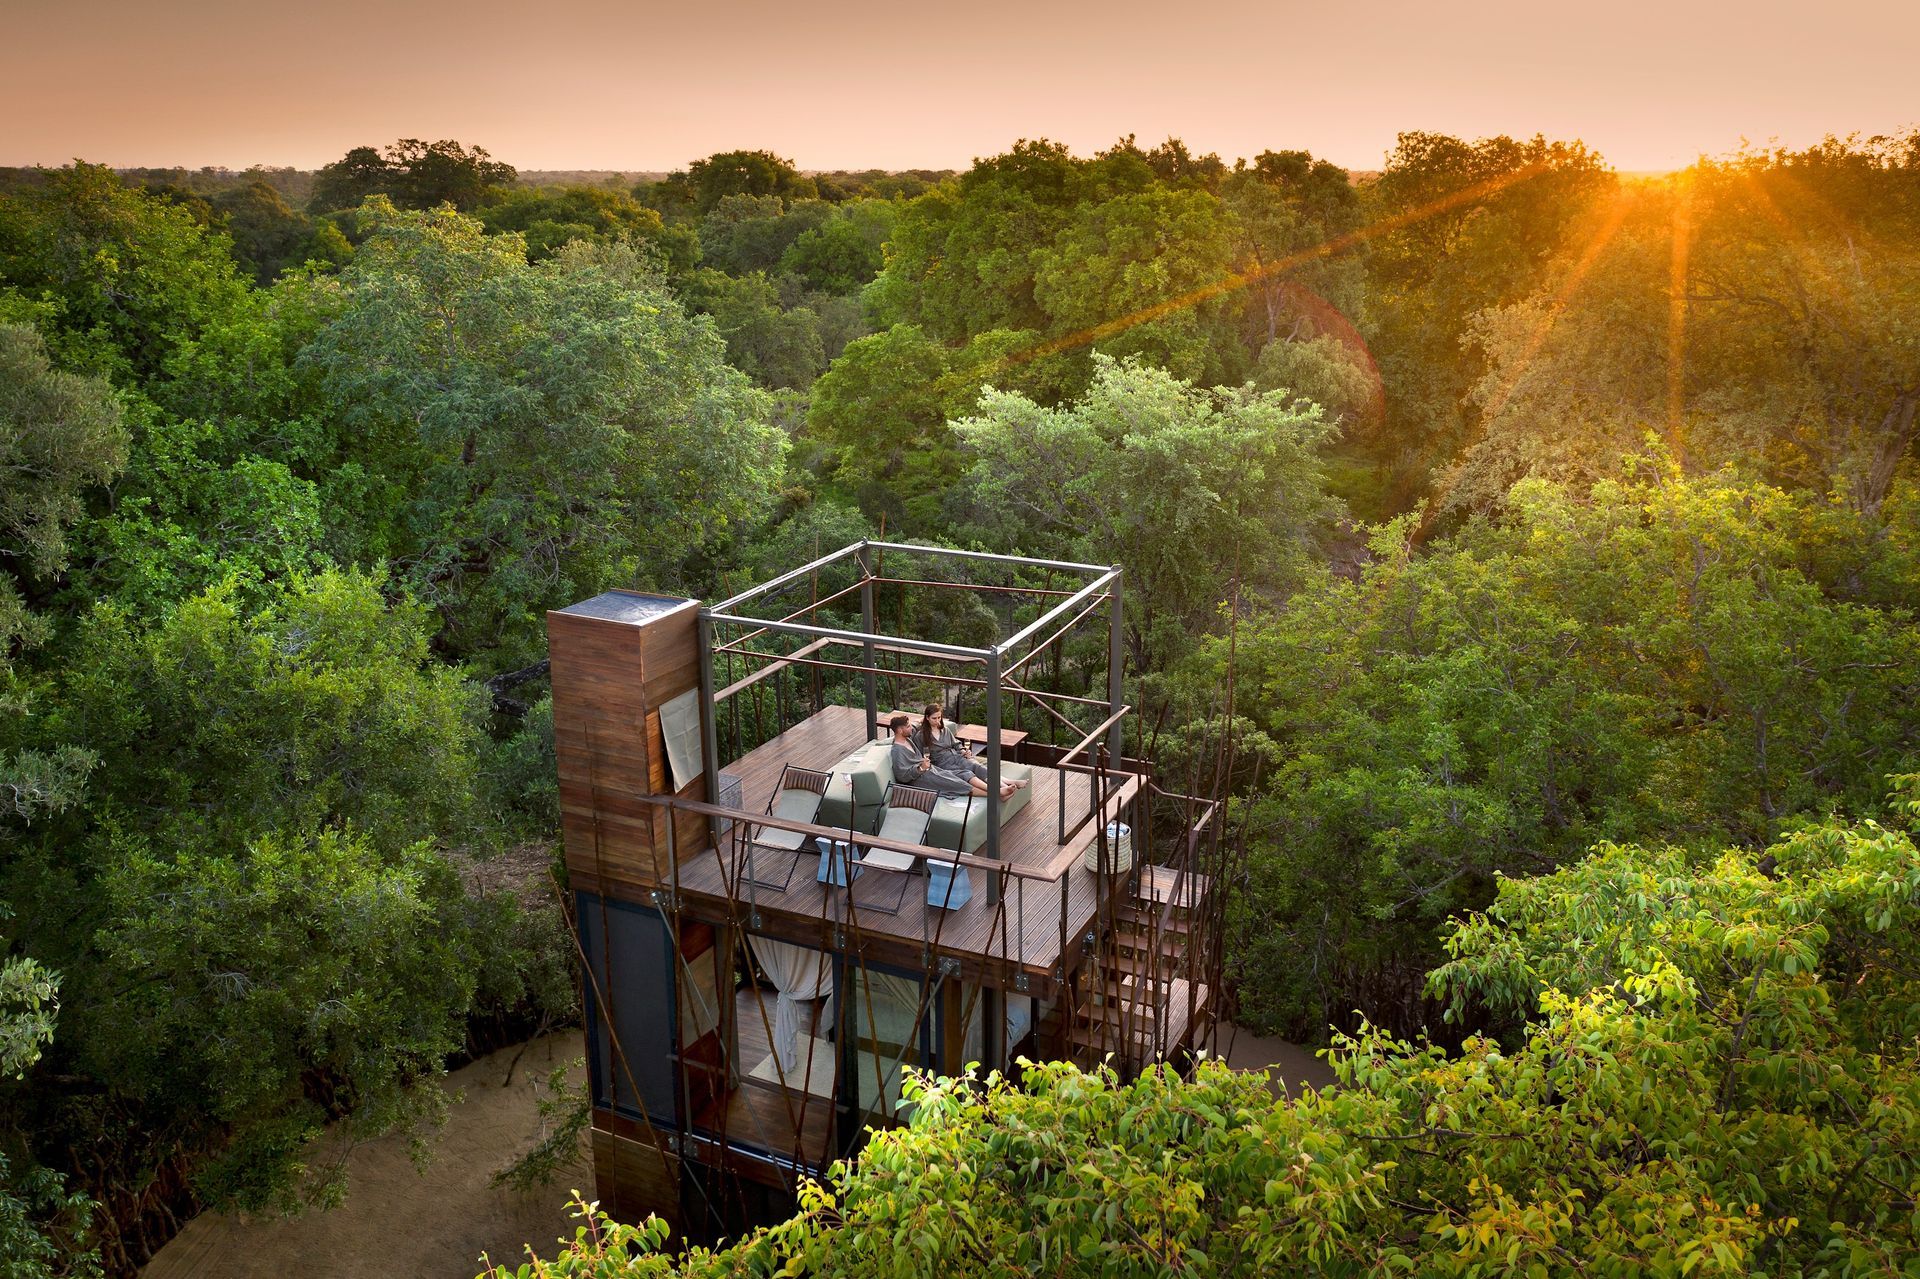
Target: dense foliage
(1516,508)
(1711,1072)
(1665,657)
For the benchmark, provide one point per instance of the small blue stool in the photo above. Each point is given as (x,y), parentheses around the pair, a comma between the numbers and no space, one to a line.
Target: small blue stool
(948,886)
(835,856)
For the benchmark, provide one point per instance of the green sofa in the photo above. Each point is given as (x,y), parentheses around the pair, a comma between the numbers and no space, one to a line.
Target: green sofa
(859,788)
(858,792)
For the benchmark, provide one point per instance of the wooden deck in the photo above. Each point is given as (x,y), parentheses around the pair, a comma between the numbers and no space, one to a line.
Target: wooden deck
(990,943)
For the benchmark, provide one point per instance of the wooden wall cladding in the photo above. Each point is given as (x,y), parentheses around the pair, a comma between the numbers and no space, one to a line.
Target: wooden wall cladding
(610,675)
(635,1178)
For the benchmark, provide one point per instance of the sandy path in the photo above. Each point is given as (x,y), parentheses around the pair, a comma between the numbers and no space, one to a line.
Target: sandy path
(397,1222)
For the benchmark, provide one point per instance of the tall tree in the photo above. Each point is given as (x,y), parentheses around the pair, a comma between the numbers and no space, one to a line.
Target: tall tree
(1467,226)
(551,429)
(413,174)
(1187,488)
(1145,274)
(129,277)
(551,217)
(60,435)
(753,173)
(1760,312)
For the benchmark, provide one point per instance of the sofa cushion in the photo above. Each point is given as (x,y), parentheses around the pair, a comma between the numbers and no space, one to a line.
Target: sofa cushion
(858,787)
(950,814)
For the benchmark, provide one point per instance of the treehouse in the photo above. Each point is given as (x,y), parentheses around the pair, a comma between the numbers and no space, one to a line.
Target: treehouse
(773,928)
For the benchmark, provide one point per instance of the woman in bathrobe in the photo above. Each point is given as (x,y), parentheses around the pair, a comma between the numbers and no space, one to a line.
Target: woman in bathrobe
(912,766)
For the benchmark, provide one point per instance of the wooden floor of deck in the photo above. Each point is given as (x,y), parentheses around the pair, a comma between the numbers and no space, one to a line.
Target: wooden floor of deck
(1025,936)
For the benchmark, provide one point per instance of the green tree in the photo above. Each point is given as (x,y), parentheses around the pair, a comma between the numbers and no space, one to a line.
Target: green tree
(1143,274)
(1797,317)
(750,173)
(268,236)
(843,255)
(1320,370)
(1467,226)
(551,429)
(960,260)
(235,471)
(1661,659)
(881,410)
(1286,208)
(777,347)
(295,957)
(128,278)
(252,918)
(747,233)
(60,435)
(551,217)
(413,174)
(1187,488)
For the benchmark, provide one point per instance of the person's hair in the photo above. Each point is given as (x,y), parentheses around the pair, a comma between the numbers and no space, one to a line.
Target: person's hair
(926,724)
(897,723)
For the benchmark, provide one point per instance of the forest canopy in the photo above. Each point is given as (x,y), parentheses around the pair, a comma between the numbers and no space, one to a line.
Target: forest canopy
(1545,539)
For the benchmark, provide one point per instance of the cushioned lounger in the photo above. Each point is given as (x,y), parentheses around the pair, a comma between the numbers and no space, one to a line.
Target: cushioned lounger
(908,811)
(796,798)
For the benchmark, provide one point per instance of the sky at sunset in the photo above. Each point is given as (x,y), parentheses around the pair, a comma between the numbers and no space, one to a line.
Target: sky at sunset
(593,84)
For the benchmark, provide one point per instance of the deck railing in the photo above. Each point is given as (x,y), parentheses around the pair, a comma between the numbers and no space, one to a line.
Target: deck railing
(1096,774)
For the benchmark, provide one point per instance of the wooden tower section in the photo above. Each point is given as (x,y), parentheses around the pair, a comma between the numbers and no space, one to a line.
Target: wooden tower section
(618,660)
(774,927)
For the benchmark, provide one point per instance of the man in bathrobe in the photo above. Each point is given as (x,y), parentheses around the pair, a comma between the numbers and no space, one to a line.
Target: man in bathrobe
(911,767)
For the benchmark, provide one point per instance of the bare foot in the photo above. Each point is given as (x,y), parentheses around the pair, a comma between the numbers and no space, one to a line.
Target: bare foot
(1007,789)
(1019,785)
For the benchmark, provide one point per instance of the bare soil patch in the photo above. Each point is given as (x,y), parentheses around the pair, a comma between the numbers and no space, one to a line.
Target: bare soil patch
(399,1220)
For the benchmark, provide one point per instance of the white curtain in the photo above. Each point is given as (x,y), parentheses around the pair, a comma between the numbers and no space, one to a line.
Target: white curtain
(801,976)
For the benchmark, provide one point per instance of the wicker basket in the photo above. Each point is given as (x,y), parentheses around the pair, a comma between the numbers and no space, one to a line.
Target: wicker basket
(1119,850)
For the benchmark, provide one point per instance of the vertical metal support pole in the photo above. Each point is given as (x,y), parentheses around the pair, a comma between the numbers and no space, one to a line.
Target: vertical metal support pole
(993,1028)
(1116,664)
(709,734)
(867,626)
(993,769)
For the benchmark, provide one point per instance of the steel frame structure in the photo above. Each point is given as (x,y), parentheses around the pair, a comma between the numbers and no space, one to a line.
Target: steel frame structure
(1105,584)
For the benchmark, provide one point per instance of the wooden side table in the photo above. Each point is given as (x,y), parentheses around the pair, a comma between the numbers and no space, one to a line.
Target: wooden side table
(977,734)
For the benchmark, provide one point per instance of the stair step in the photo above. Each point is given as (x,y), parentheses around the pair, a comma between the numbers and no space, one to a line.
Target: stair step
(1139,1034)
(1149,921)
(1137,965)
(1170,945)
(1160,884)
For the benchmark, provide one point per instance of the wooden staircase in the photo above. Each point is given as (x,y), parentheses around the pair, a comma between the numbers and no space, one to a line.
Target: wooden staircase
(1140,999)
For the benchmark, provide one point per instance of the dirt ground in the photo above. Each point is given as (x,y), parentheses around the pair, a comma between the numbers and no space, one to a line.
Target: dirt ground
(1289,1067)
(398,1223)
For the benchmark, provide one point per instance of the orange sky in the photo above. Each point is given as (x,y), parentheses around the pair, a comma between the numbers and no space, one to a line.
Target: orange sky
(596,84)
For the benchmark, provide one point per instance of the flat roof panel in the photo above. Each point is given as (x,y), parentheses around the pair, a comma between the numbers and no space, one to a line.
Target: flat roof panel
(632,607)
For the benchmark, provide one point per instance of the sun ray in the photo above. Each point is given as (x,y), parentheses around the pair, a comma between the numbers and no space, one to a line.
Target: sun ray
(1798,242)
(1616,215)
(1677,319)
(1241,279)
(1610,224)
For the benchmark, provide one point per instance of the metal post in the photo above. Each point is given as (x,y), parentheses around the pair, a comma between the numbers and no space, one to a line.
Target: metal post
(993,1027)
(709,733)
(867,625)
(1116,664)
(993,770)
